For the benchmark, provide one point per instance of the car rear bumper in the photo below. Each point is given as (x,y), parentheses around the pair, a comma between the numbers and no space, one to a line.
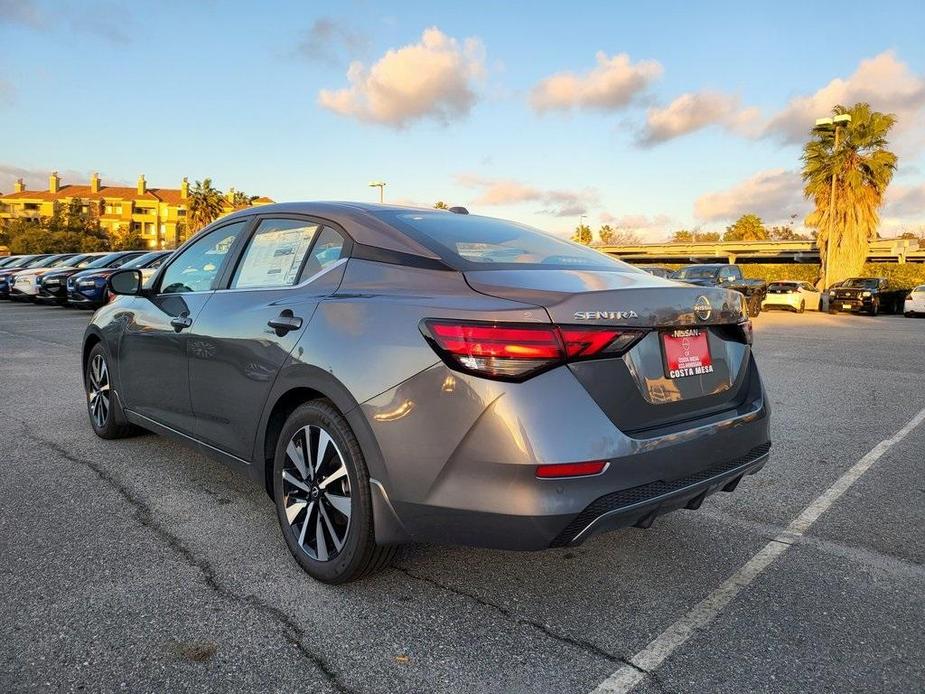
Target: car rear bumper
(773,301)
(476,484)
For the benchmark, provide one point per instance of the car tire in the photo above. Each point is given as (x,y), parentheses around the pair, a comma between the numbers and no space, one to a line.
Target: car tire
(875,308)
(802,307)
(103,407)
(330,533)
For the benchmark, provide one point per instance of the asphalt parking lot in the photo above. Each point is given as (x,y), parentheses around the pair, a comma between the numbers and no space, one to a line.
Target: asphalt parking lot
(140,565)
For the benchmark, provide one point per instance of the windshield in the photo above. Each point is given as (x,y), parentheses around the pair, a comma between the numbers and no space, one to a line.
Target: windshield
(695,273)
(107,260)
(861,283)
(31,261)
(50,261)
(4,262)
(472,242)
(61,261)
(782,285)
(84,261)
(919,290)
(143,260)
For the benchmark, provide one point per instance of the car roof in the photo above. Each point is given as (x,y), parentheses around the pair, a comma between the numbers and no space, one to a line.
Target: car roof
(357,218)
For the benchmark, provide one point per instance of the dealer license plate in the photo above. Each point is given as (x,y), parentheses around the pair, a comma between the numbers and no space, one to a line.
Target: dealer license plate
(687,353)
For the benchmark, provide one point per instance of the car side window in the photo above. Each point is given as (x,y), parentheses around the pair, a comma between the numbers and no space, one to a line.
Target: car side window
(195,269)
(275,253)
(328,249)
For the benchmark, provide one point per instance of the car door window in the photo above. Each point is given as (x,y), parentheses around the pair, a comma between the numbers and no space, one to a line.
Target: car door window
(328,249)
(275,254)
(195,269)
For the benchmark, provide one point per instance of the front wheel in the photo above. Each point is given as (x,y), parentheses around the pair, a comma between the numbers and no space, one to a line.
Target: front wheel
(875,308)
(102,404)
(802,307)
(322,492)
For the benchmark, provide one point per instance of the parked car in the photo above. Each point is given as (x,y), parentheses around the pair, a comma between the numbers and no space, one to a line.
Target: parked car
(728,277)
(8,260)
(914,305)
(87,288)
(388,381)
(656,270)
(792,295)
(865,294)
(25,284)
(24,263)
(53,287)
(149,264)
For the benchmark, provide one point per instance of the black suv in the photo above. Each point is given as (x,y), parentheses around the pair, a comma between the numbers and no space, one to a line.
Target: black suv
(865,294)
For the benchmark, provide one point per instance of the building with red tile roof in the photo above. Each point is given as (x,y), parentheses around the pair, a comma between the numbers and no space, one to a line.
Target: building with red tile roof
(157,214)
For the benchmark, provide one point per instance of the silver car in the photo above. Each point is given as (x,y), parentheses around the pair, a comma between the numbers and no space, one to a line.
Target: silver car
(397,375)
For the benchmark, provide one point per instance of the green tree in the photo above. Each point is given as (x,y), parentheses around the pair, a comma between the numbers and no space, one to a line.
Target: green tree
(582,234)
(126,238)
(854,175)
(440,205)
(686,236)
(606,233)
(204,206)
(748,227)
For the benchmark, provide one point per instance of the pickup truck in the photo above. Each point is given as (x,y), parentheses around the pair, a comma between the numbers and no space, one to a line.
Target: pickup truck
(727,276)
(868,294)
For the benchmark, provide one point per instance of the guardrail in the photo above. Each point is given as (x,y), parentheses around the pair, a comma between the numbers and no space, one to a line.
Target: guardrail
(881,250)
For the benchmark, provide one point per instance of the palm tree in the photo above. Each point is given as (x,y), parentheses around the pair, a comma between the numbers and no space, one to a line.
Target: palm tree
(862,168)
(240,199)
(205,205)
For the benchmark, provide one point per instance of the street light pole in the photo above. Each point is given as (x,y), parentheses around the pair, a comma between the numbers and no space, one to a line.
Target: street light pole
(381,186)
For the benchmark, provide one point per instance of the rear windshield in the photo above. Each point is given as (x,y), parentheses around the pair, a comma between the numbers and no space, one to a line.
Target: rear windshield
(862,283)
(782,285)
(472,242)
(695,273)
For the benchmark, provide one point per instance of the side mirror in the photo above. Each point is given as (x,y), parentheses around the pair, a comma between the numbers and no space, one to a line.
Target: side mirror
(125,282)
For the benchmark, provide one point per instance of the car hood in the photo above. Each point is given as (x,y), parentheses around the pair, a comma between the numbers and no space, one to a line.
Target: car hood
(602,297)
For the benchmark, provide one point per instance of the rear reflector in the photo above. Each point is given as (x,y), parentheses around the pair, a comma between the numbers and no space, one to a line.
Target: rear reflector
(556,470)
(513,351)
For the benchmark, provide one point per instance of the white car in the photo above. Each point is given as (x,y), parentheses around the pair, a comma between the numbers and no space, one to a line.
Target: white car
(792,295)
(915,302)
(24,284)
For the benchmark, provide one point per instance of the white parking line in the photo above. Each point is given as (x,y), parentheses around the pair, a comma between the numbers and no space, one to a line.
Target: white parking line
(663,645)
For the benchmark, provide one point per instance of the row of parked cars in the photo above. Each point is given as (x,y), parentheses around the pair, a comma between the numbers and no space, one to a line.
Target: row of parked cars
(871,295)
(71,279)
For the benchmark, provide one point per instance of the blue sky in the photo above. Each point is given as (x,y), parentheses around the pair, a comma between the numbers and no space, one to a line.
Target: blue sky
(465,113)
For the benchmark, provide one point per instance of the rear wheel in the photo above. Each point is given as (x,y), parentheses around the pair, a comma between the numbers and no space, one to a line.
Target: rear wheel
(802,307)
(323,501)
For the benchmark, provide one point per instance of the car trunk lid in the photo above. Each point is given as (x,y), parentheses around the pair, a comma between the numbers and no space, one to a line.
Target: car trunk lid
(644,390)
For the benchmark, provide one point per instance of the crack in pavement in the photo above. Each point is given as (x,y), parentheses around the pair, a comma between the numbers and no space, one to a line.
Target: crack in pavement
(581,644)
(292,632)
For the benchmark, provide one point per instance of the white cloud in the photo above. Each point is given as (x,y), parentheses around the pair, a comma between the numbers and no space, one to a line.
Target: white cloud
(694,111)
(613,84)
(434,78)
(24,12)
(327,37)
(555,202)
(773,195)
(647,228)
(884,81)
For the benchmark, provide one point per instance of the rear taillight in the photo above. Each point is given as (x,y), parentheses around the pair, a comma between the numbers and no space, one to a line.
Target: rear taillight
(514,351)
(747,331)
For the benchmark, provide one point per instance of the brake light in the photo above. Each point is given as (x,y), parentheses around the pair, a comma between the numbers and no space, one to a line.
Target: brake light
(513,351)
(557,470)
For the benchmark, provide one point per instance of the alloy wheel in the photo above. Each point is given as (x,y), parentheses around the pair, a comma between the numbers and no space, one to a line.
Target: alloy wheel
(316,489)
(98,396)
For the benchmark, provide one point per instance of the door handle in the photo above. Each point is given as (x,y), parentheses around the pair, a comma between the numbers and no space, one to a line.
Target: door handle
(181,322)
(285,322)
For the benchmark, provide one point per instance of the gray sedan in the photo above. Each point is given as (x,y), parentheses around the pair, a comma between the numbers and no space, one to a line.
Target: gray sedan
(398,375)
